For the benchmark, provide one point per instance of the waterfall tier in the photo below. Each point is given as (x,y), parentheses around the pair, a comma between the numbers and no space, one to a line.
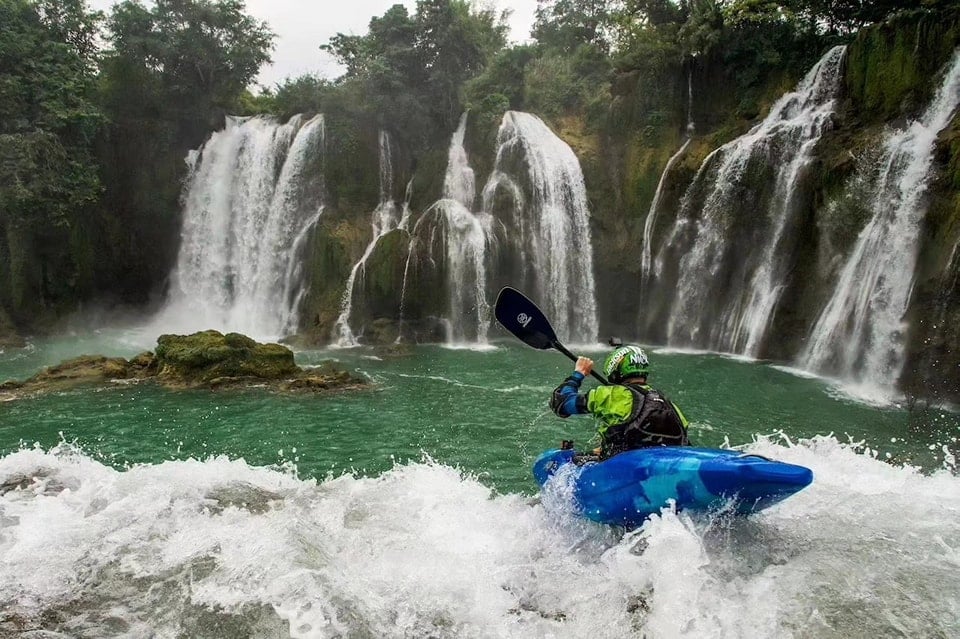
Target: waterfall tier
(254,191)
(549,227)
(733,231)
(859,335)
(383,220)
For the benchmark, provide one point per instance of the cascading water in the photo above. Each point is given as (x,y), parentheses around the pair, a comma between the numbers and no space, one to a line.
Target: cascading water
(859,333)
(740,252)
(552,229)
(646,255)
(384,220)
(406,212)
(466,237)
(254,192)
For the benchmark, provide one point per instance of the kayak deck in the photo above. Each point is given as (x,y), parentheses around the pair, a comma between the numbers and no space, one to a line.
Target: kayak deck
(628,487)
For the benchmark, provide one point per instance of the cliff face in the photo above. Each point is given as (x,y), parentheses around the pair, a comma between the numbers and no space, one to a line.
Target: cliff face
(677,119)
(888,76)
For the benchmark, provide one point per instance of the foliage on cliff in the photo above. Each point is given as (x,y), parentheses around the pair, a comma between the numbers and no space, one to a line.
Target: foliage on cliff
(172,69)
(49,121)
(93,144)
(95,125)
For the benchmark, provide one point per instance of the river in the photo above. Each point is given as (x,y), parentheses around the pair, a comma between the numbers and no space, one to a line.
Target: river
(408,510)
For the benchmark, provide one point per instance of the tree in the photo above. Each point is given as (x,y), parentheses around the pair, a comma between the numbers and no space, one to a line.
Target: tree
(202,53)
(412,68)
(455,44)
(48,125)
(566,25)
(172,70)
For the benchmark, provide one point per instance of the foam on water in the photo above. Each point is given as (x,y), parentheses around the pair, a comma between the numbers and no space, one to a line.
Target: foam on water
(218,548)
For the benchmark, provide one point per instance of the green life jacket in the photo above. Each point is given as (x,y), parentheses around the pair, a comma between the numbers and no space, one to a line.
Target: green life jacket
(636,416)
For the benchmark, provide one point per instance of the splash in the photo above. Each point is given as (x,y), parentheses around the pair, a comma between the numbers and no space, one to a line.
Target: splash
(254,191)
(218,548)
(740,251)
(859,334)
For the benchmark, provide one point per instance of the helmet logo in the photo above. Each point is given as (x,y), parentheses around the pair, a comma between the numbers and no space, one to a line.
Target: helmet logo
(524,319)
(626,361)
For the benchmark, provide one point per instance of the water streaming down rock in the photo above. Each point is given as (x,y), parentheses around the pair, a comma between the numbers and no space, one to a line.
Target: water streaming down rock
(649,225)
(859,335)
(383,220)
(745,193)
(406,212)
(254,192)
(465,238)
(550,229)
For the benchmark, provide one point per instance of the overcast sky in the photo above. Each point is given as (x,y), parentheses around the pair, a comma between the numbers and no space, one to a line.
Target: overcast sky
(303,25)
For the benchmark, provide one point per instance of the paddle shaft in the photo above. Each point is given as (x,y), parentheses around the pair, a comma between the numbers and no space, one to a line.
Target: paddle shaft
(560,347)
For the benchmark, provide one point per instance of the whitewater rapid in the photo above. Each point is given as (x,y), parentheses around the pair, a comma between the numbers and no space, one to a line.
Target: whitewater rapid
(218,548)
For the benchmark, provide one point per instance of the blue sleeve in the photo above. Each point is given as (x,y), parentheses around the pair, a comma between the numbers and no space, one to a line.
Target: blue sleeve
(567,399)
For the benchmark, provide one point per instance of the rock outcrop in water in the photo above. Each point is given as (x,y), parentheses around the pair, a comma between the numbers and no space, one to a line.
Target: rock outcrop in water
(208,359)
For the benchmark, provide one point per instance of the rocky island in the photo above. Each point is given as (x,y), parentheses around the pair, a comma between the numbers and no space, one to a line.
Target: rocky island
(208,359)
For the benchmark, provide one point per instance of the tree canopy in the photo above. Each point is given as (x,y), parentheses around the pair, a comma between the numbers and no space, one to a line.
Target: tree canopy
(413,67)
(202,53)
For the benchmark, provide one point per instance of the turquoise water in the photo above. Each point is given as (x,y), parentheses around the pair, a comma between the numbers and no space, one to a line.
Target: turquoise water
(482,411)
(408,510)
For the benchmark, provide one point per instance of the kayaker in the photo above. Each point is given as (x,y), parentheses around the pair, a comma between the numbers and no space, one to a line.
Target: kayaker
(631,413)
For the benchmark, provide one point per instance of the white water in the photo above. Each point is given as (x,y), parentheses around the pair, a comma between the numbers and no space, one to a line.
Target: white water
(646,254)
(221,549)
(859,335)
(465,237)
(785,139)
(552,229)
(254,192)
(383,220)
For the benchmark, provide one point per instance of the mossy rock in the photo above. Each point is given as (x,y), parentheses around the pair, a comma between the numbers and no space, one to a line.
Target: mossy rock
(889,65)
(86,368)
(203,360)
(210,355)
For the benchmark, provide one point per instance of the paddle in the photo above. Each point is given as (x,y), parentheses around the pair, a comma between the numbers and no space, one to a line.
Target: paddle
(521,317)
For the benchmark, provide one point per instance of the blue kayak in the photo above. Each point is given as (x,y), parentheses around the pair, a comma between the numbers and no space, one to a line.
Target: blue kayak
(628,487)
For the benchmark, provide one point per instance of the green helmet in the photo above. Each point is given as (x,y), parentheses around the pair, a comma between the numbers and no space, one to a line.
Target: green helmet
(626,362)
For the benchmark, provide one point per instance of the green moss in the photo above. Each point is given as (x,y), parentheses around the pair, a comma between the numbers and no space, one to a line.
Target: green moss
(352,172)
(889,66)
(210,354)
(328,263)
(383,275)
(429,174)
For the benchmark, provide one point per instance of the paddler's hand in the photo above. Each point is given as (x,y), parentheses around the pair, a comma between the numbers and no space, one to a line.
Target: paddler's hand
(584,366)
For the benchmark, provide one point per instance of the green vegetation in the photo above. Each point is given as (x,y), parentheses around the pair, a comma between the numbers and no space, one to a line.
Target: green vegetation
(92,141)
(49,123)
(98,112)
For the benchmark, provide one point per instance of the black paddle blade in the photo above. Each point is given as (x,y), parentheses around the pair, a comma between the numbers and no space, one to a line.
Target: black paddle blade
(521,317)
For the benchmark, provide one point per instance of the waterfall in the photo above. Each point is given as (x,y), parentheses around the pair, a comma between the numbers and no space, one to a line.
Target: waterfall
(741,248)
(552,228)
(383,220)
(465,237)
(406,212)
(859,333)
(646,253)
(254,191)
